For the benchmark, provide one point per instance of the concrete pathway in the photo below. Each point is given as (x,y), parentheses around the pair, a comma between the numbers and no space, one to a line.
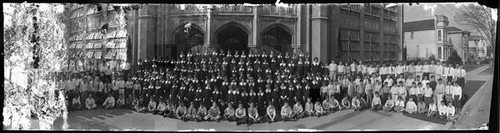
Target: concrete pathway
(476,111)
(120,119)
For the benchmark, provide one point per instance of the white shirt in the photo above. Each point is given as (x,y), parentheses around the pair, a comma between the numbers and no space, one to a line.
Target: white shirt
(442,109)
(90,102)
(84,87)
(389,81)
(115,85)
(412,69)
(332,67)
(448,89)
(456,72)
(371,70)
(360,68)
(446,71)
(426,68)
(399,69)
(432,107)
(376,101)
(462,73)
(340,68)
(413,91)
(389,103)
(420,90)
(109,100)
(357,81)
(411,106)
(406,68)
(383,70)
(419,68)
(129,84)
(400,103)
(390,70)
(353,67)
(365,69)
(402,91)
(76,101)
(427,92)
(439,70)
(432,68)
(424,82)
(450,111)
(457,90)
(126,66)
(409,82)
(379,78)
(101,86)
(394,90)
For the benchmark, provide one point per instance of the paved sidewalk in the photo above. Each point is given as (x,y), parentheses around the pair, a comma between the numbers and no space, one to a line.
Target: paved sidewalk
(120,119)
(475,74)
(477,109)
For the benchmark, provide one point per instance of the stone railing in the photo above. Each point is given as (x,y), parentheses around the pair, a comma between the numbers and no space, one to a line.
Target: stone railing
(278,11)
(187,9)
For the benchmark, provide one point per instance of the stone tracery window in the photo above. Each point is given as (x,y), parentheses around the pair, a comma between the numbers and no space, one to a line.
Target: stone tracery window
(277,38)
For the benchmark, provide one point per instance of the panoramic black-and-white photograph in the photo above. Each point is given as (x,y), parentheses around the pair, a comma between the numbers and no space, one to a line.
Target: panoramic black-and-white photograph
(248,67)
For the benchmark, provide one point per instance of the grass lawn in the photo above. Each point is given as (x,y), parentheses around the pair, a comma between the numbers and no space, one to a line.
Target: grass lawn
(470,88)
(469,68)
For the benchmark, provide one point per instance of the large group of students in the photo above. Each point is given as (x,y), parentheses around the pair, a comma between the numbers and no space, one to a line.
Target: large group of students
(269,87)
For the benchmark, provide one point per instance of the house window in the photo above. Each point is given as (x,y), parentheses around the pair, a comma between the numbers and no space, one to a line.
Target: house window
(440,53)
(445,34)
(411,35)
(440,35)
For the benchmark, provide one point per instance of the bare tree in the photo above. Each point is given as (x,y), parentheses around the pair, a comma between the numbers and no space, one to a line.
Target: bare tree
(478,18)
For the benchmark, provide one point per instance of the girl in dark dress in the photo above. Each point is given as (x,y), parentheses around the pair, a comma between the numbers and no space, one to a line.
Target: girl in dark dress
(315,88)
(299,68)
(208,91)
(306,67)
(316,66)
(244,97)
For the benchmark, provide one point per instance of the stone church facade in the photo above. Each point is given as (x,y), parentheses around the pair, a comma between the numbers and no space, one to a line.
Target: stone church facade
(328,31)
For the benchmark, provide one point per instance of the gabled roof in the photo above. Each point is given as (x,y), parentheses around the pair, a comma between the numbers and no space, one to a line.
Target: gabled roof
(453,29)
(419,25)
(475,37)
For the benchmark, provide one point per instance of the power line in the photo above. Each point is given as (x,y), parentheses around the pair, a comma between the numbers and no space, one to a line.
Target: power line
(452,9)
(447,11)
(477,28)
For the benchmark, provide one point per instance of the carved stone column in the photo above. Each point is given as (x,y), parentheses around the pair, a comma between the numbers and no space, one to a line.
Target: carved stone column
(298,31)
(319,32)
(147,31)
(255,33)
(208,42)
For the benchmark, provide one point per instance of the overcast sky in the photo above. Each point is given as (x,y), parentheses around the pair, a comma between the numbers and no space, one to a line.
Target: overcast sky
(426,11)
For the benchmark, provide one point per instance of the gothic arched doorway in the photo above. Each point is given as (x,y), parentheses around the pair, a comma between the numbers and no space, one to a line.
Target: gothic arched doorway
(186,39)
(233,38)
(277,38)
